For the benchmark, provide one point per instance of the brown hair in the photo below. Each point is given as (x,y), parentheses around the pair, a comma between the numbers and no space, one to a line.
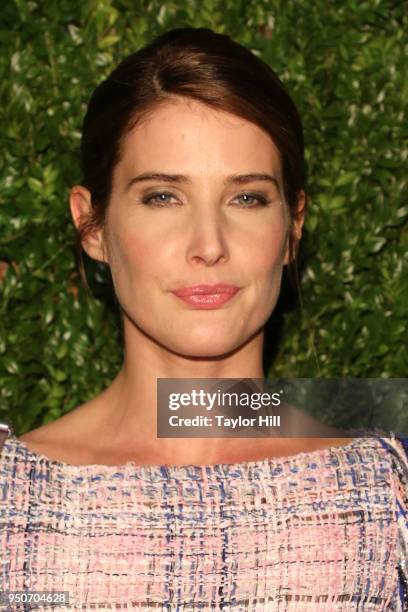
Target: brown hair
(194,63)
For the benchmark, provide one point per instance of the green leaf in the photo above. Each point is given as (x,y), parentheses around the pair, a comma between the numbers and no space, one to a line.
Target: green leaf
(345,179)
(10,365)
(35,185)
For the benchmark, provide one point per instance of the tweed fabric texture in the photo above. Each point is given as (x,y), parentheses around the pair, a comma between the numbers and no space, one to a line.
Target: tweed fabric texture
(318,531)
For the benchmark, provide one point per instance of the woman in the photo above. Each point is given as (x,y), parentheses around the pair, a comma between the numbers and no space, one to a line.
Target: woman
(193,174)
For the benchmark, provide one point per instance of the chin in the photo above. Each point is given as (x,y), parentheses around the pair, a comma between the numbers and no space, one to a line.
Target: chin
(202,353)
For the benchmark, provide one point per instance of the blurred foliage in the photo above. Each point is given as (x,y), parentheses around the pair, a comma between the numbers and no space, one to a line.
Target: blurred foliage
(345,65)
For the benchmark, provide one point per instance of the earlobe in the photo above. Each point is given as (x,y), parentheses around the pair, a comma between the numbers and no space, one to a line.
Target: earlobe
(81,212)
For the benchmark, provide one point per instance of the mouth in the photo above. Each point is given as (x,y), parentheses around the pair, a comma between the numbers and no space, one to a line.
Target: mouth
(206,290)
(207,296)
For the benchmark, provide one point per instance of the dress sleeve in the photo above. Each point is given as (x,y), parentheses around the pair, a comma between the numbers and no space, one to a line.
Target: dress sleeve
(398,446)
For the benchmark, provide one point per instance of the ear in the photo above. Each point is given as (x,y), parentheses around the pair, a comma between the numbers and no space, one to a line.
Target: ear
(298,221)
(81,209)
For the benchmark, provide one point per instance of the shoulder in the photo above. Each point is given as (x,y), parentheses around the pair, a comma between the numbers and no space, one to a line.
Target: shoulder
(64,439)
(394,447)
(395,443)
(10,474)
(397,447)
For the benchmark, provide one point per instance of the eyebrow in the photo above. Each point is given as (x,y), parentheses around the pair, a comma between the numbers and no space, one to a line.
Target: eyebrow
(240,179)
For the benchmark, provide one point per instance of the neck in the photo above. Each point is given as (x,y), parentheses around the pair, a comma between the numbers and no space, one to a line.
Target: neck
(125,414)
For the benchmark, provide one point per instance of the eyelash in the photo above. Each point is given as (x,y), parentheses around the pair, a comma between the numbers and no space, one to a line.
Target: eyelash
(262,201)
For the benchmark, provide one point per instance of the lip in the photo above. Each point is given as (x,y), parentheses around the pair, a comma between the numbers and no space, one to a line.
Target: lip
(219,288)
(207,296)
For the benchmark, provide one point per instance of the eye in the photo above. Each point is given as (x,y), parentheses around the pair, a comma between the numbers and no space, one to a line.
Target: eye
(262,200)
(158,199)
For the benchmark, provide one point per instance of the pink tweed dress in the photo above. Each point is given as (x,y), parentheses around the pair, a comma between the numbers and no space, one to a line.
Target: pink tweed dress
(318,531)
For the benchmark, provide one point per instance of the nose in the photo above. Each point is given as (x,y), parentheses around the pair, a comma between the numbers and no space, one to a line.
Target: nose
(207,242)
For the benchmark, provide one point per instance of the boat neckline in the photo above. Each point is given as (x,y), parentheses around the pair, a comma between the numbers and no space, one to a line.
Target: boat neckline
(320,453)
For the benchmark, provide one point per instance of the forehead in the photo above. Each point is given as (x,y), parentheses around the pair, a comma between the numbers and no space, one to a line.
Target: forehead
(188,136)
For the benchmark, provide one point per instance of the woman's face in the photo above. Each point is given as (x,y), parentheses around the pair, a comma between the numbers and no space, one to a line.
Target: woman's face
(203,230)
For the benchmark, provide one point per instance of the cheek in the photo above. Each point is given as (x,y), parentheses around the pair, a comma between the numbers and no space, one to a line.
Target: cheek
(269,251)
(132,253)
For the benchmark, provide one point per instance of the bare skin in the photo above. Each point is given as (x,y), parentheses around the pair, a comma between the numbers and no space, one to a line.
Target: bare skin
(69,440)
(203,231)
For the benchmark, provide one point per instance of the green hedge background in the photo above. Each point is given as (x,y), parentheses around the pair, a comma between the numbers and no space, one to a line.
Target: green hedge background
(345,65)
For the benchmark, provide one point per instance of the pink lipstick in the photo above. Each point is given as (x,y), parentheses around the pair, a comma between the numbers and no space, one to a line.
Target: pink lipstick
(207,296)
